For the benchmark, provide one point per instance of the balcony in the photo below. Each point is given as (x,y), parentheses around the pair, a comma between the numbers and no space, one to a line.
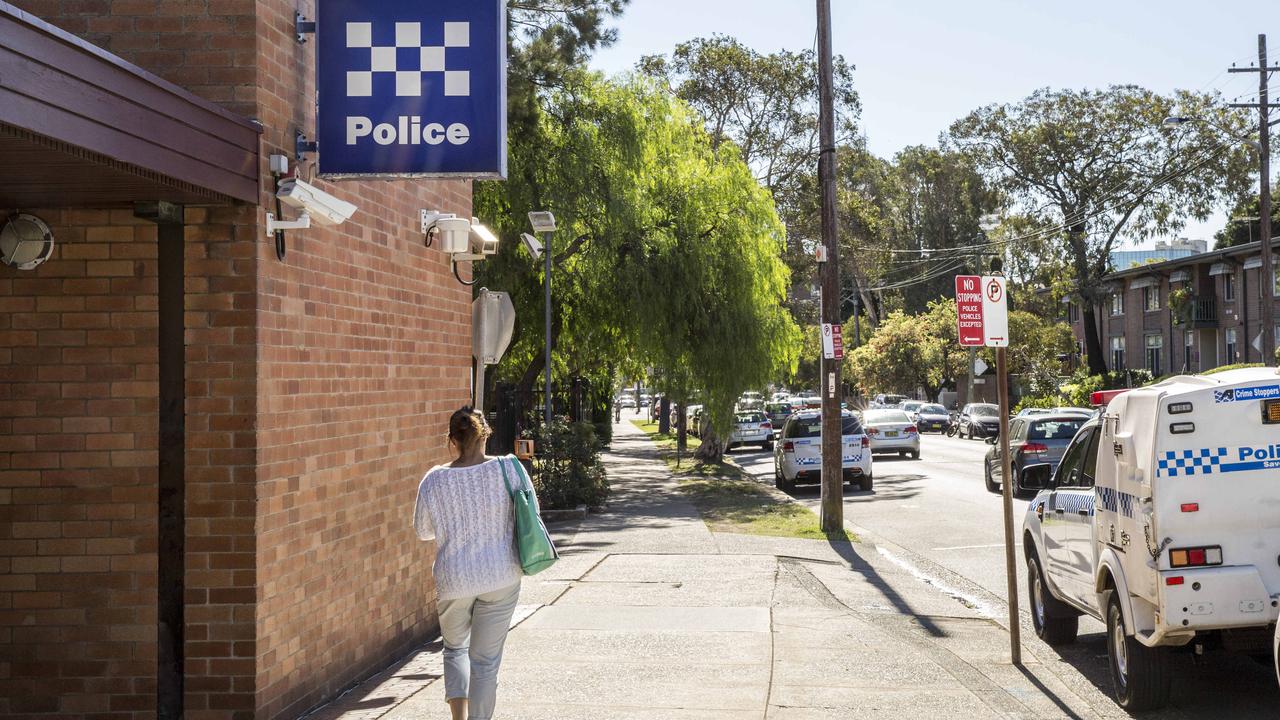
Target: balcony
(1201,313)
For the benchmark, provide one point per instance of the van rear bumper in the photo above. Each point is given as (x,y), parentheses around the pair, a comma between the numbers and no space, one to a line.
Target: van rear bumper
(1214,598)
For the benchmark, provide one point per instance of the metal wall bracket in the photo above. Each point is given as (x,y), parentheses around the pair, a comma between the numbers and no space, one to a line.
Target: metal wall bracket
(302,26)
(302,146)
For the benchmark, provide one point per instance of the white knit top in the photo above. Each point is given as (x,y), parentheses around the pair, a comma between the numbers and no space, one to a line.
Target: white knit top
(468,512)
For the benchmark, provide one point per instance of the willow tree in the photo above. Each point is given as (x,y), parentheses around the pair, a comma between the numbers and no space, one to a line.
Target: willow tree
(666,253)
(1101,167)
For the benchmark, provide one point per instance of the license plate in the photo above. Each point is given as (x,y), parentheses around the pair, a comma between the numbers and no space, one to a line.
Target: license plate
(891,433)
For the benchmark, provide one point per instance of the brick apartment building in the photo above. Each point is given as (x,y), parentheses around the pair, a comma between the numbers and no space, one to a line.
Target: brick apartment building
(1217,324)
(207,454)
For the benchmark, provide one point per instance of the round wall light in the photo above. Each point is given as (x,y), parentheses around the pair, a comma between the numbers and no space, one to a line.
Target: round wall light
(25,242)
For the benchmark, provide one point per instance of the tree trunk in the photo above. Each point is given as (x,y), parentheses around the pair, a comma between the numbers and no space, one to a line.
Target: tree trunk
(664,415)
(712,448)
(682,429)
(1092,342)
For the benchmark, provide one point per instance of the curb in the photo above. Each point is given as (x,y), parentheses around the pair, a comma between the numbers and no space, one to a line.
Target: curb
(578,513)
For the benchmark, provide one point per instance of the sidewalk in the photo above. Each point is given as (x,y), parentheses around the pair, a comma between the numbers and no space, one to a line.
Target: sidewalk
(651,615)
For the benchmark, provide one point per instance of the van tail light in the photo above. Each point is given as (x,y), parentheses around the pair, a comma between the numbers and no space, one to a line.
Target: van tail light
(1035,448)
(912,430)
(1173,580)
(1195,556)
(1190,507)
(866,442)
(788,447)
(766,425)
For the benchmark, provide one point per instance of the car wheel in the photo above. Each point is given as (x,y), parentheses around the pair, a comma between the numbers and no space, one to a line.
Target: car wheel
(902,453)
(767,445)
(1054,622)
(864,483)
(1140,675)
(992,486)
(915,454)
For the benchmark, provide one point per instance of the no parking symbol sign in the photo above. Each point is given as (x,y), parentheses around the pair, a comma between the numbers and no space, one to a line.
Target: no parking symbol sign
(982,311)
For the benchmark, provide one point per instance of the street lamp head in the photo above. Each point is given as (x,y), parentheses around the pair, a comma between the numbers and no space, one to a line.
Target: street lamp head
(1174,120)
(532,245)
(542,221)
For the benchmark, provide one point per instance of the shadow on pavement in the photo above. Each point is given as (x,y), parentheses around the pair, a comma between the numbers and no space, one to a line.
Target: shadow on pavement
(850,555)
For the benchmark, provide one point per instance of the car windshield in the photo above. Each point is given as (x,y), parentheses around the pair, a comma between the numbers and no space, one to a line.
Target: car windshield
(984,410)
(750,418)
(933,410)
(1053,429)
(911,406)
(873,417)
(777,408)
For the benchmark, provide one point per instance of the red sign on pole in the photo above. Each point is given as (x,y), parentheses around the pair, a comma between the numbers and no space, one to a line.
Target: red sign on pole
(969,311)
(832,343)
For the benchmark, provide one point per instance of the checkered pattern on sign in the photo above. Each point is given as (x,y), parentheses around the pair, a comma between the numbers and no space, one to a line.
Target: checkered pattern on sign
(1074,502)
(1221,396)
(408,59)
(1183,463)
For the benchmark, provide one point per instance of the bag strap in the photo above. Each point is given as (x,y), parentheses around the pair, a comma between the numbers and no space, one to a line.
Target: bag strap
(506,482)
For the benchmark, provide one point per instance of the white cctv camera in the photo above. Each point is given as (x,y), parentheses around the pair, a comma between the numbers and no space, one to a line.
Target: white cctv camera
(322,207)
(483,241)
(532,245)
(453,232)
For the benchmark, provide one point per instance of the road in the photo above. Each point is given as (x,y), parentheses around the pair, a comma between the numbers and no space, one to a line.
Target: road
(935,516)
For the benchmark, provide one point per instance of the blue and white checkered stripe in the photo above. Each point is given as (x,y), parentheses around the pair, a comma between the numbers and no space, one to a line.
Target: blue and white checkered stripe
(1115,501)
(1184,463)
(1074,502)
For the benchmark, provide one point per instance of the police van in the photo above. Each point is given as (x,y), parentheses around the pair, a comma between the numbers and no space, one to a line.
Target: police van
(1163,521)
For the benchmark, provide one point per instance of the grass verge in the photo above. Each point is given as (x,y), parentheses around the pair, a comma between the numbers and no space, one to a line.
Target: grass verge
(732,502)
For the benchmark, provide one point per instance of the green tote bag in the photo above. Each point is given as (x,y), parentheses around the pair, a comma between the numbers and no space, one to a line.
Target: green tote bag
(537,552)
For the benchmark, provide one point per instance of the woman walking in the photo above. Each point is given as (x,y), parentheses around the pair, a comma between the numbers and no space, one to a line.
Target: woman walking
(466,508)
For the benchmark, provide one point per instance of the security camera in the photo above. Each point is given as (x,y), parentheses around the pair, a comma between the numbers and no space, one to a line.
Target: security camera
(453,232)
(483,241)
(324,208)
(532,245)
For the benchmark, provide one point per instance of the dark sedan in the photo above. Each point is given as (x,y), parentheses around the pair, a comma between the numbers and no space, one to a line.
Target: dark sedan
(979,420)
(1032,440)
(932,418)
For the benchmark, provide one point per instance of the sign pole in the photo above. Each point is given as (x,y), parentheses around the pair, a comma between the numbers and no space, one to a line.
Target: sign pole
(1006,490)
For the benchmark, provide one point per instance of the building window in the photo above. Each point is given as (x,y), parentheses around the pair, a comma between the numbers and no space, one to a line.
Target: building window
(1231,346)
(1073,312)
(1117,303)
(1151,298)
(1155,343)
(1117,353)
(1188,352)
(1229,287)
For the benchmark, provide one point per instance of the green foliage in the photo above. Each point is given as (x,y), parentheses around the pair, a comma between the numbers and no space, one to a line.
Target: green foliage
(1180,303)
(1235,366)
(567,471)
(1244,223)
(1098,165)
(1039,401)
(666,256)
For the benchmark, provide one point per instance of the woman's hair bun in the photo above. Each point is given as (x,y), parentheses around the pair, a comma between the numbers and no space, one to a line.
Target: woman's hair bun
(467,426)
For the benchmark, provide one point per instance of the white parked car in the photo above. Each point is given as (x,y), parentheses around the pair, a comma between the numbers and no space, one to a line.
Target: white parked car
(751,428)
(797,456)
(1160,521)
(892,431)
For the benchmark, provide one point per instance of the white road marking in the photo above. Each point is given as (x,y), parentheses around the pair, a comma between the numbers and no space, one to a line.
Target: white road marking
(920,575)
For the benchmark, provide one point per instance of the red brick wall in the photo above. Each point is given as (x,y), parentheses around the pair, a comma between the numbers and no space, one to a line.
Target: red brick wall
(364,351)
(78,439)
(78,473)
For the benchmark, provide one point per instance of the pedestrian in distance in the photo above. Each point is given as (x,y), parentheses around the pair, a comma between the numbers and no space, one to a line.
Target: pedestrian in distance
(466,508)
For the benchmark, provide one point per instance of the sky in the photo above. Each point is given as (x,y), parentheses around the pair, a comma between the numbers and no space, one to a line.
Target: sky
(921,64)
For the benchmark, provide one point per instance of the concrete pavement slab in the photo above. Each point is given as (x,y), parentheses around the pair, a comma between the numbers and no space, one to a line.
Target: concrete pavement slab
(651,619)
(623,647)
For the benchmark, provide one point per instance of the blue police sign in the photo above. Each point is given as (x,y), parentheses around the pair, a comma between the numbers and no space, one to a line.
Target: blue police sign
(412,88)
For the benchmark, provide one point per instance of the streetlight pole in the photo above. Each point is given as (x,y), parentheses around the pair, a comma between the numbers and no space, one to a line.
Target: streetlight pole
(545,223)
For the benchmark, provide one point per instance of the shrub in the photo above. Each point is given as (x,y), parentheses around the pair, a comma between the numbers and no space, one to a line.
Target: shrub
(1037,401)
(567,471)
(1237,366)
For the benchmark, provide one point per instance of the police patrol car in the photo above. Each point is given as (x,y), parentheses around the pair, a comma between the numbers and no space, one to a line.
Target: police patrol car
(797,456)
(1163,521)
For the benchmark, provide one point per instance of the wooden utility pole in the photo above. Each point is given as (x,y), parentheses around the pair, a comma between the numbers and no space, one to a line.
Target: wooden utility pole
(832,433)
(1266,272)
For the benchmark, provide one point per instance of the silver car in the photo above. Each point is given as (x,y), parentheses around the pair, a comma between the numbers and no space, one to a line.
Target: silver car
(892,431)
(1032,440)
